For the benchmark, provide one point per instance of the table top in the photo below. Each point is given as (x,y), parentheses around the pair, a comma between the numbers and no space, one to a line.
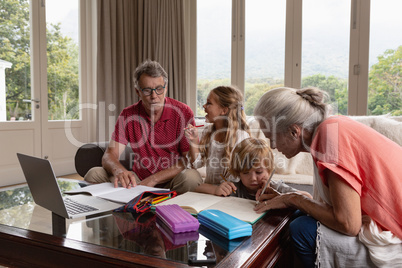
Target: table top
(139,238)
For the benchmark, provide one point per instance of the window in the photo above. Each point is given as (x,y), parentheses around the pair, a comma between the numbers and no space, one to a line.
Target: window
(385,58)
(62,59)
(350,48)
(264,49)
(325,48)
(16,103)
(213,48)
(15,61)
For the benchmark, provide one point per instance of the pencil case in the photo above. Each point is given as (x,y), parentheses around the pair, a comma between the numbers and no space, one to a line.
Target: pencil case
(177,219)
(224,224)
(136,205)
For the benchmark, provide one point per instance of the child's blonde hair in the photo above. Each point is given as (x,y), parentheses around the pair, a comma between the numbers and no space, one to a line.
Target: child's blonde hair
(251,153)
(232,99)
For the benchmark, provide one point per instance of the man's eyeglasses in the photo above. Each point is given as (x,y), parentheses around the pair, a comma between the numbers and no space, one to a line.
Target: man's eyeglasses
(158,90)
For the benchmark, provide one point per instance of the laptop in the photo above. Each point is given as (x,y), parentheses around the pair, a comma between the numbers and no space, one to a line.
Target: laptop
(46,192)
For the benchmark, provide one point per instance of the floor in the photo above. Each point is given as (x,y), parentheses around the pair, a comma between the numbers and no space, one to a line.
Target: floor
(72,176)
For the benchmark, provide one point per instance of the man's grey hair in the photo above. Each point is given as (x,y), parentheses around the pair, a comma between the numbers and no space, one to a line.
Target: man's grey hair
(151,68)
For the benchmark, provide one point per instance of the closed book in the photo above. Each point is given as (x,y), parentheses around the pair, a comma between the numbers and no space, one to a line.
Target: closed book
(224,224)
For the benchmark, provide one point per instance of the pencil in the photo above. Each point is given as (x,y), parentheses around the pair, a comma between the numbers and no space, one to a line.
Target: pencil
(226,181)
(195,126)
(265,186)
(154,202)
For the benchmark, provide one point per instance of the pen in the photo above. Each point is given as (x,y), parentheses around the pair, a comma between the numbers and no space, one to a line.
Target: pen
(265,186)
(226,181)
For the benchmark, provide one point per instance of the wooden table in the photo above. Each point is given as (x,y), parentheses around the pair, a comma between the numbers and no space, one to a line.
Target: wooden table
(23,247)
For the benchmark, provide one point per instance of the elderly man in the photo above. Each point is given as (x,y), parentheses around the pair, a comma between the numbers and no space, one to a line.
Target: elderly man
(154,128)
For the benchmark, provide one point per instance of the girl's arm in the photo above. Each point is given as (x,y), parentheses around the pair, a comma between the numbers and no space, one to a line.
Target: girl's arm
(343,216)
(224,189)
(192,136)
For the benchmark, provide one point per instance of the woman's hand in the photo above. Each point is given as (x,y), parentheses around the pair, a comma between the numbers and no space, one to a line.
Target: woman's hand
(269,193)
(272,199)
(225,188)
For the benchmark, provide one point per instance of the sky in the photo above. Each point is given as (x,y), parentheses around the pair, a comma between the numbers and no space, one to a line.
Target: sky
(65,12)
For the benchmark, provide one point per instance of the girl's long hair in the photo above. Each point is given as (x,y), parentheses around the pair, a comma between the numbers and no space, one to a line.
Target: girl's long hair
(232,99)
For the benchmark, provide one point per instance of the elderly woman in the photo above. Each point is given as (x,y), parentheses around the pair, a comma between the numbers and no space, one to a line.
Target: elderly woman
(355,218)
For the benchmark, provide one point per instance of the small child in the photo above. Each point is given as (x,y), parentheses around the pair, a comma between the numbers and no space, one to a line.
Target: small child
(253,161)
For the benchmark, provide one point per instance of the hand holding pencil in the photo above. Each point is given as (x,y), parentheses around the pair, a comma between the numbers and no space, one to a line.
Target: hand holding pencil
(228,183)
(265,186)
(191,132)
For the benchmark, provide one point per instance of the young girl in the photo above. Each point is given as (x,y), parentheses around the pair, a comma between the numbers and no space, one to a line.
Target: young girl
(253,161)
(224,109)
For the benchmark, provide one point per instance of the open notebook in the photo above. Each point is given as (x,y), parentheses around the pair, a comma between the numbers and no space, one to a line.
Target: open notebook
(196,202)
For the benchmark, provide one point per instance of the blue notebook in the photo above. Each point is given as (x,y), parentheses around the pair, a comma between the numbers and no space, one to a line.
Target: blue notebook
(224,224)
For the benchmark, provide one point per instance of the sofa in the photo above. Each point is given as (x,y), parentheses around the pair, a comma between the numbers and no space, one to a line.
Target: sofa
(297,171)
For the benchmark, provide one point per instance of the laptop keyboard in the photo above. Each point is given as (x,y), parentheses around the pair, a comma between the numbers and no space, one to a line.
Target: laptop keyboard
(74,207)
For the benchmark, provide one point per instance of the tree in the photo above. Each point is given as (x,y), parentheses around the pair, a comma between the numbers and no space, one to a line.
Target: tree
(385,84)
(336,88)
(205,86)
(62,71)
(62,68)
(15,48)
(254,93)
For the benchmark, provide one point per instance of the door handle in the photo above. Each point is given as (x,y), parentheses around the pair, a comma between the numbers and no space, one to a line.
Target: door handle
(31,100)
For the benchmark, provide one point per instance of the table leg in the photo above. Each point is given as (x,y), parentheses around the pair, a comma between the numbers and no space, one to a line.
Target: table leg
(58,225)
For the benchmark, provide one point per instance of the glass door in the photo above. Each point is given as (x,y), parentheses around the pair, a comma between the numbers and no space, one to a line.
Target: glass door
(39,84)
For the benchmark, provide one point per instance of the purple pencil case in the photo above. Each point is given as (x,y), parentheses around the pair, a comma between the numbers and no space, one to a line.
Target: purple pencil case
(177,219)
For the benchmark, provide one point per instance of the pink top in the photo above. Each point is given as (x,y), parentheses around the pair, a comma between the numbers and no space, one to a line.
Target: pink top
(155,147)
(368,161)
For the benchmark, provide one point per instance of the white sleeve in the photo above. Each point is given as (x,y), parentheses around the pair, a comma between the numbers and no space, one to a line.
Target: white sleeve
(197,162)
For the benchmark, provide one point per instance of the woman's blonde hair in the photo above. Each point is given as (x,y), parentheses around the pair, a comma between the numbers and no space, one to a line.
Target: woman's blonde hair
(251,153)
(232,99)
(282,107)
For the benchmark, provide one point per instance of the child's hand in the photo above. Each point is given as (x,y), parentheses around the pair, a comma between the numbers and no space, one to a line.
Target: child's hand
(191,133)
(225,188)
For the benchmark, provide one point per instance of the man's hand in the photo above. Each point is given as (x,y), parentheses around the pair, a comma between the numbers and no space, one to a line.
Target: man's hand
(125,178)
(150,181)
